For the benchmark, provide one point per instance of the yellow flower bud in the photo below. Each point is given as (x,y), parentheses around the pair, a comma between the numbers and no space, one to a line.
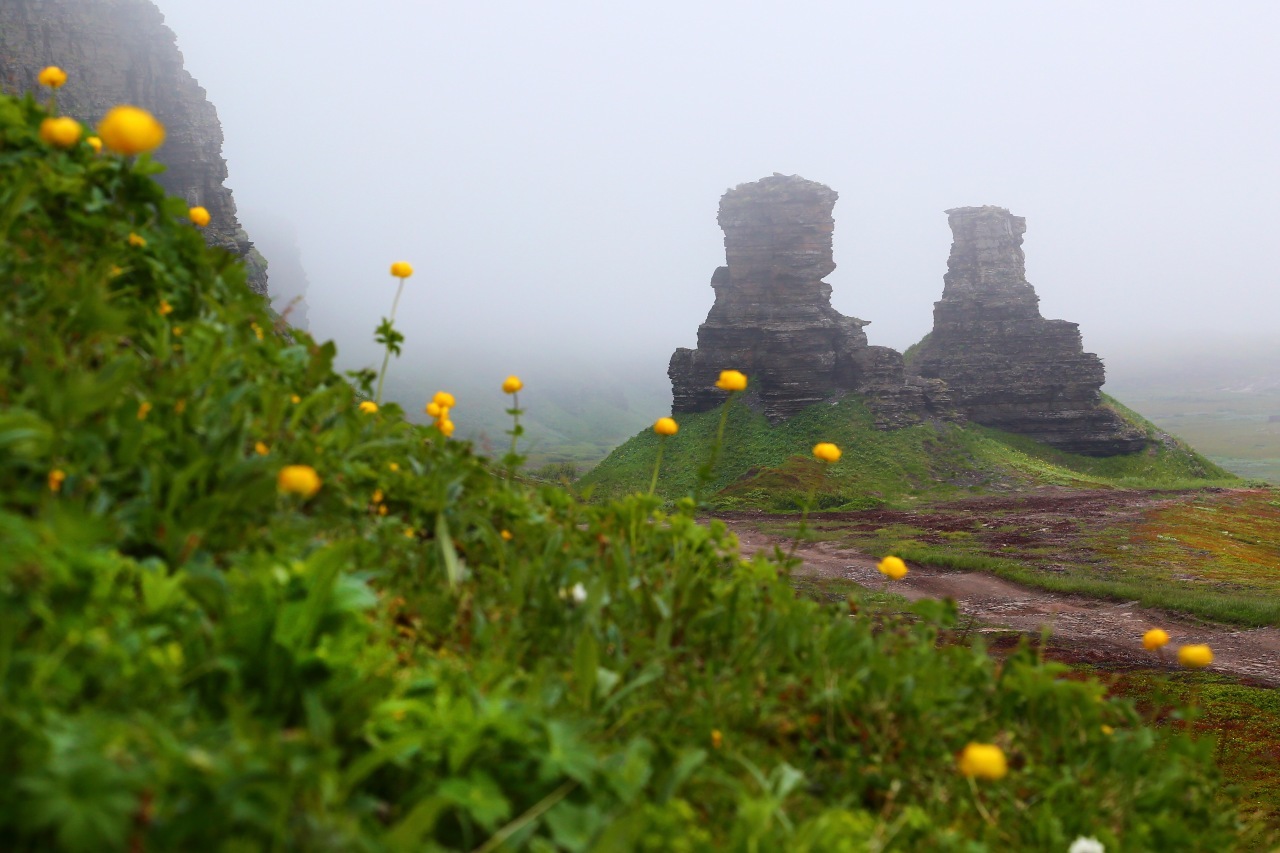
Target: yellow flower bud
(1156,638)
(892,568)
(825,451)
(433,409)
(95,143)
(506,535)
(393,466)
(443,399)
(511,384)
(666,426)
(56,477)
(261,449)
(131,130)
(732,380)
(295,399)
(165,308)
(400,269)
(983,761)
(61,132)
(717,739)
(135,240)
(199,215)
(1195,656)
(298,480)
(53,77)
(368,407)
(445,427)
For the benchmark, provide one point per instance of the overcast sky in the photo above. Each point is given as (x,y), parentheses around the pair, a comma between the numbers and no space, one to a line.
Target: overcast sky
(553,169)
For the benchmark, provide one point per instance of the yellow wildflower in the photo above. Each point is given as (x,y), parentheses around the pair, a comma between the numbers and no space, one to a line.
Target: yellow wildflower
(732,380)
(62,132)
(56,478)
(1156,638)
(717,739)
(393,466)
(1107,730)
(298,480)
(445,427)
(410,533)
(825,451)
(53,77)
(143,410)
(368,407)
(433,409)
(165,308)
(401,269)
(377,496)
(892,567)
(983,761)
(131,130)
(1195,656)
(135,240)
(261,449)
(506,535)
(443,399)
(199,215)
(95,143)
(295,399)
(511,385)
(257,330)
(382,509)
(666,426)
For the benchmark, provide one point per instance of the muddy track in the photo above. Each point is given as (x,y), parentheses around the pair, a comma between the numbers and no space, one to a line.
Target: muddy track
(1096,631)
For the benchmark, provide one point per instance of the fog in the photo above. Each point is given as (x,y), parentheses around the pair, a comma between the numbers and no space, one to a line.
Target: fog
(553,170)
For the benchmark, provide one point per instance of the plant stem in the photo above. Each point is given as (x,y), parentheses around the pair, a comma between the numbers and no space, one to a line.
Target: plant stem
(500,837)
(705,472)
(395,303)
(657,463)
(804,516)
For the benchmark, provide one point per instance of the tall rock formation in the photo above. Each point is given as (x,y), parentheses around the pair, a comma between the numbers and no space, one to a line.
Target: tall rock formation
(120,51)
(1005,365)
(772,317)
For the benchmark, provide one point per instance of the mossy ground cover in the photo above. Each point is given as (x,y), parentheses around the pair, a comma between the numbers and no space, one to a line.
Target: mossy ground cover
(428,653)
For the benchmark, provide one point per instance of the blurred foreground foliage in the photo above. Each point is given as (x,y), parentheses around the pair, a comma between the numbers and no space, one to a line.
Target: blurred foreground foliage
(427,655)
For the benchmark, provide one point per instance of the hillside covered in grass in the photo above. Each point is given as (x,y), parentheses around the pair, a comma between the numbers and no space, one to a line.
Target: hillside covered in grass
(239,611)
(767,466)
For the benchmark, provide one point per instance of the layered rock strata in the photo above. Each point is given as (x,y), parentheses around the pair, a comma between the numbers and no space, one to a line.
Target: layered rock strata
(773,320)
(1005,365)
(120,51)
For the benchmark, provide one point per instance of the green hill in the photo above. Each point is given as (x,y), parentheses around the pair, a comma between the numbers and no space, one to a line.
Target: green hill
(204,646)
(770,467)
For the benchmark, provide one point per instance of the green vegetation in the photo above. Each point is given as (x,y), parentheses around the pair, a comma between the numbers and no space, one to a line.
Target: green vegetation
(768,467)
(425,654)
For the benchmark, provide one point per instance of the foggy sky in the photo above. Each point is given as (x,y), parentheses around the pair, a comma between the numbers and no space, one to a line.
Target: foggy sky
(553,170)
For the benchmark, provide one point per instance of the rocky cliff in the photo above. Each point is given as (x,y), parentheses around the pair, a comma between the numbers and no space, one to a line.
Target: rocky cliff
(1005,365)
(120,51)
(773,320)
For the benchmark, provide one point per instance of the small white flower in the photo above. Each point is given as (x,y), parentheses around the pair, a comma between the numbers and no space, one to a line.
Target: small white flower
(1086,845)
(579,593)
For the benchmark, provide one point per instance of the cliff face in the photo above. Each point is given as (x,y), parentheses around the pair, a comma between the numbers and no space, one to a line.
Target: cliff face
(772,317)
(1005,365)
(120,51)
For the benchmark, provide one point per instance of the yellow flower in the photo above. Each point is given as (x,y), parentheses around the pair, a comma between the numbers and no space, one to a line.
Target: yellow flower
(825,451)
(1156,638)
(165,308)
(443,399)
(410,533)
(177,331)
(135,240)
(261,449)
(717,739)
(95,143)
(1195,656)
(143,410)
(401,269)
(62,132)
(368,407)
(983,761)
(893,568)
(445,427)
(199,215)
(257,330)
(298,480)
(377,496)
(382,509)
(506,535)
(1107,730)
(180,406)
(131,130)
(295,399)
(53,77)
(393,466)
(56,478)
(433,409)
(666,426)
(511,385)
(732,380)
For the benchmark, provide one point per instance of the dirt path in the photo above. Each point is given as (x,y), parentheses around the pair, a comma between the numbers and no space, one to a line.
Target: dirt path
(1096,631)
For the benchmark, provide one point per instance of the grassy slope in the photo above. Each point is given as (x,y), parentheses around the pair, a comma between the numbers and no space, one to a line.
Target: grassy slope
(758,469)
